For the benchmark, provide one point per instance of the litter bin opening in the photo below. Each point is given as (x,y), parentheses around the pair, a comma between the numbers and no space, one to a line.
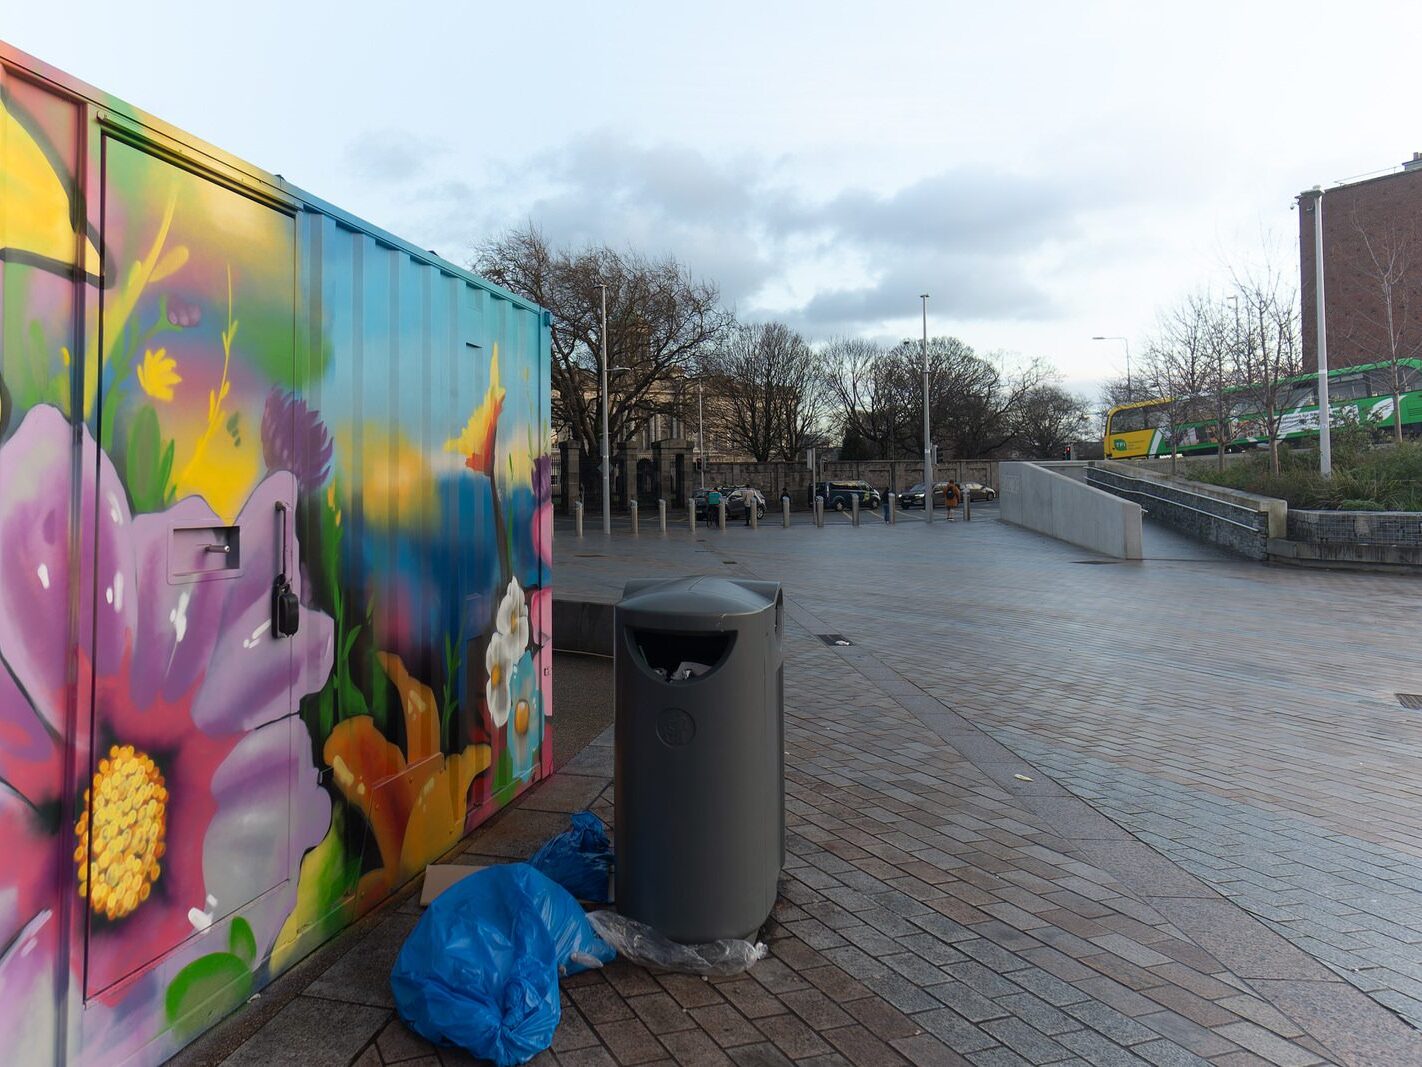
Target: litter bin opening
(682,657)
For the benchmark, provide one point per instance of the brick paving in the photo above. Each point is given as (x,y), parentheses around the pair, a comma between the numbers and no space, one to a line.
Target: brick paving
(1010,839)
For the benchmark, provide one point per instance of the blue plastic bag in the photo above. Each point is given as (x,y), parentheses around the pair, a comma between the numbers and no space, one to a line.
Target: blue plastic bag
(481,968)
(579,859)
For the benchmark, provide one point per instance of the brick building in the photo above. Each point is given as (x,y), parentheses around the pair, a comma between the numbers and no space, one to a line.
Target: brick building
(1372,238)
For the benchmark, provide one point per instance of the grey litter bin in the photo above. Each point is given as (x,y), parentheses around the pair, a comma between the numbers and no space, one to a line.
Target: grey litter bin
(700,760)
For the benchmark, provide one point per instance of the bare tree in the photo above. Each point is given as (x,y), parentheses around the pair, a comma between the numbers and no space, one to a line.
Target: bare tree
(867,407)
(1390,246)
(1049,419)
(1114,392)
(972,400)
(1182,368)
(770,390)
(1269,354)
(660,321)
(978,415)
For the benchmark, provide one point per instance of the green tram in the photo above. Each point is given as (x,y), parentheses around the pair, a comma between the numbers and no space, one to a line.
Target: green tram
(1361,394)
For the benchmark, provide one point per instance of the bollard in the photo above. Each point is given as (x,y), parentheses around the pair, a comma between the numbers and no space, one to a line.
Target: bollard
(819,511)
(854,509)
(578,516)
(893,508)
(632,510)
(785,512)
(691,514)
(752,515)
(721,514)
(662,516)
(967,506)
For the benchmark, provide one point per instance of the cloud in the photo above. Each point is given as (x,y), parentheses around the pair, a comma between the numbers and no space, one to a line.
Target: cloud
(988,243)
(392,156)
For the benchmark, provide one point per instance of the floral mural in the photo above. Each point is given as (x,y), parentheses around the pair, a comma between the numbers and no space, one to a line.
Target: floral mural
(206,393)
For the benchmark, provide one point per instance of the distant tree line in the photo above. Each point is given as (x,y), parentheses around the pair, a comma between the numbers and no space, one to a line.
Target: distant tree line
(771,393)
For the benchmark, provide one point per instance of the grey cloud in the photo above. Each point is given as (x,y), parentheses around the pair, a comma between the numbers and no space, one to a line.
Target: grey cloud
(965,208)
(959,287)
(973,235)
(391,156)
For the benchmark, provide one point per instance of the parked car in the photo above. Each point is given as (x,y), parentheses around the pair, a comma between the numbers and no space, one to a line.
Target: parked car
(740,499)
(839,495)
(736,498)
(912,497)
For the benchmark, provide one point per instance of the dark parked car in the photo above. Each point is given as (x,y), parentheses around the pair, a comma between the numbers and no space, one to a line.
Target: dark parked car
(912,497)
(736,498)
(839,496)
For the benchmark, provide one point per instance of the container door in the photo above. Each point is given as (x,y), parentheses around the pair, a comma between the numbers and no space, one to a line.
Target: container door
(188,811)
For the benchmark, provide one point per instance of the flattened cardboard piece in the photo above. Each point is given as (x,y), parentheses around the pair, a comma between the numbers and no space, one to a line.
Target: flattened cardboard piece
(440,876)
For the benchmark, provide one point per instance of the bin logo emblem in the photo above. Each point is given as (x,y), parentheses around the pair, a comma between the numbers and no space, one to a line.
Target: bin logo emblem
(675,727)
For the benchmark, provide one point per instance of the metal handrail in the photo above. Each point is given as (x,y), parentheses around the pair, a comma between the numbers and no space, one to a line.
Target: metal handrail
(1187,507)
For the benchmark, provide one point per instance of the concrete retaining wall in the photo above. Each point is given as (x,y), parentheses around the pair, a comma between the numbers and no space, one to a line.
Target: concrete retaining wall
(583,625)
(1389,539)
(1236,521)
(1061,507)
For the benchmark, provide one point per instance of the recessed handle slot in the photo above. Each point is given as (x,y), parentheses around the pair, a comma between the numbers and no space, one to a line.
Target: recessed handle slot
(196,553)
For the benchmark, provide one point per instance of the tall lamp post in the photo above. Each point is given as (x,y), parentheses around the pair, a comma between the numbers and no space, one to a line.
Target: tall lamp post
(1325,420)
(701,435)
(606,451)
(1127,343)
(927,438)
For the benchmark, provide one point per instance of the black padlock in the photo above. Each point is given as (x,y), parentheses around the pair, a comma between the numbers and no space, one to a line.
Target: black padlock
(286,608)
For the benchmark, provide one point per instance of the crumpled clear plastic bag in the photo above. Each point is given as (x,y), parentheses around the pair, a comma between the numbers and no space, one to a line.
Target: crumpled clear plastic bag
(639,943)
(579,859)
(481,968)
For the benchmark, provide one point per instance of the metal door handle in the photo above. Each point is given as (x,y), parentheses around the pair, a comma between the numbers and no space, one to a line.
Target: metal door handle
(224,549)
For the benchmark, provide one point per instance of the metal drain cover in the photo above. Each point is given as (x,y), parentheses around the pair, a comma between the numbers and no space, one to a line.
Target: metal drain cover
(1411,701)
(835,640)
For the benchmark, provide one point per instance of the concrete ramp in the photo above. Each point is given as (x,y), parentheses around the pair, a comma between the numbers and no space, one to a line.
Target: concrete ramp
(1062,507)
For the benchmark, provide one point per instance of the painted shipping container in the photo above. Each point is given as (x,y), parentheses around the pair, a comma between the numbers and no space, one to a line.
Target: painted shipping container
(216,388)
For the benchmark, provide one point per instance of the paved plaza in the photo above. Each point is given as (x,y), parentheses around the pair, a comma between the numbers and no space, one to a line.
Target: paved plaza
(1046,808)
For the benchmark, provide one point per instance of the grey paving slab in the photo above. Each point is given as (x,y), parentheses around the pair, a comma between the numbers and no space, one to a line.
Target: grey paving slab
(309,1030)
(938,908)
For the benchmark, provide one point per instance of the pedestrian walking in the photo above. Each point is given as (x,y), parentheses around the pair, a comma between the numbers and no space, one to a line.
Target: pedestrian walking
(952,497)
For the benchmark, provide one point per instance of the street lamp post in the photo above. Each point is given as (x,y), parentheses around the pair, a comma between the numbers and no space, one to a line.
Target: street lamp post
(927,438)
(1127,343)
(701,435)
(606,451)
(1325,413)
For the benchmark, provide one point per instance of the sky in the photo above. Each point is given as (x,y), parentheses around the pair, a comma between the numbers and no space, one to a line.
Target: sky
(1046,172)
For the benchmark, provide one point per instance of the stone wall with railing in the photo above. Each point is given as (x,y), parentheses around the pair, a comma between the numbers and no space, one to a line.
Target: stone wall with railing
(1239,522)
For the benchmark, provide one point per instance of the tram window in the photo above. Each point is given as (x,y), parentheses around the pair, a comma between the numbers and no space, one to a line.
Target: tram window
(1380,380)
(1347,387)
(1128,421)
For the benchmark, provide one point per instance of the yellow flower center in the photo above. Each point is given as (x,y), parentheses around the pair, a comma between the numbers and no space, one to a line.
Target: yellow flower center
(521,713)
(125,818)
(496,674)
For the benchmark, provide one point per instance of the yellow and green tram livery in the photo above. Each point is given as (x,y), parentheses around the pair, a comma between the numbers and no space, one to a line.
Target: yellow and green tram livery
(1361,394)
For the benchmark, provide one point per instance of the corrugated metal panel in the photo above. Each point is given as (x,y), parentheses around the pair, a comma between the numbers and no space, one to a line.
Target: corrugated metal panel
(399,418)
